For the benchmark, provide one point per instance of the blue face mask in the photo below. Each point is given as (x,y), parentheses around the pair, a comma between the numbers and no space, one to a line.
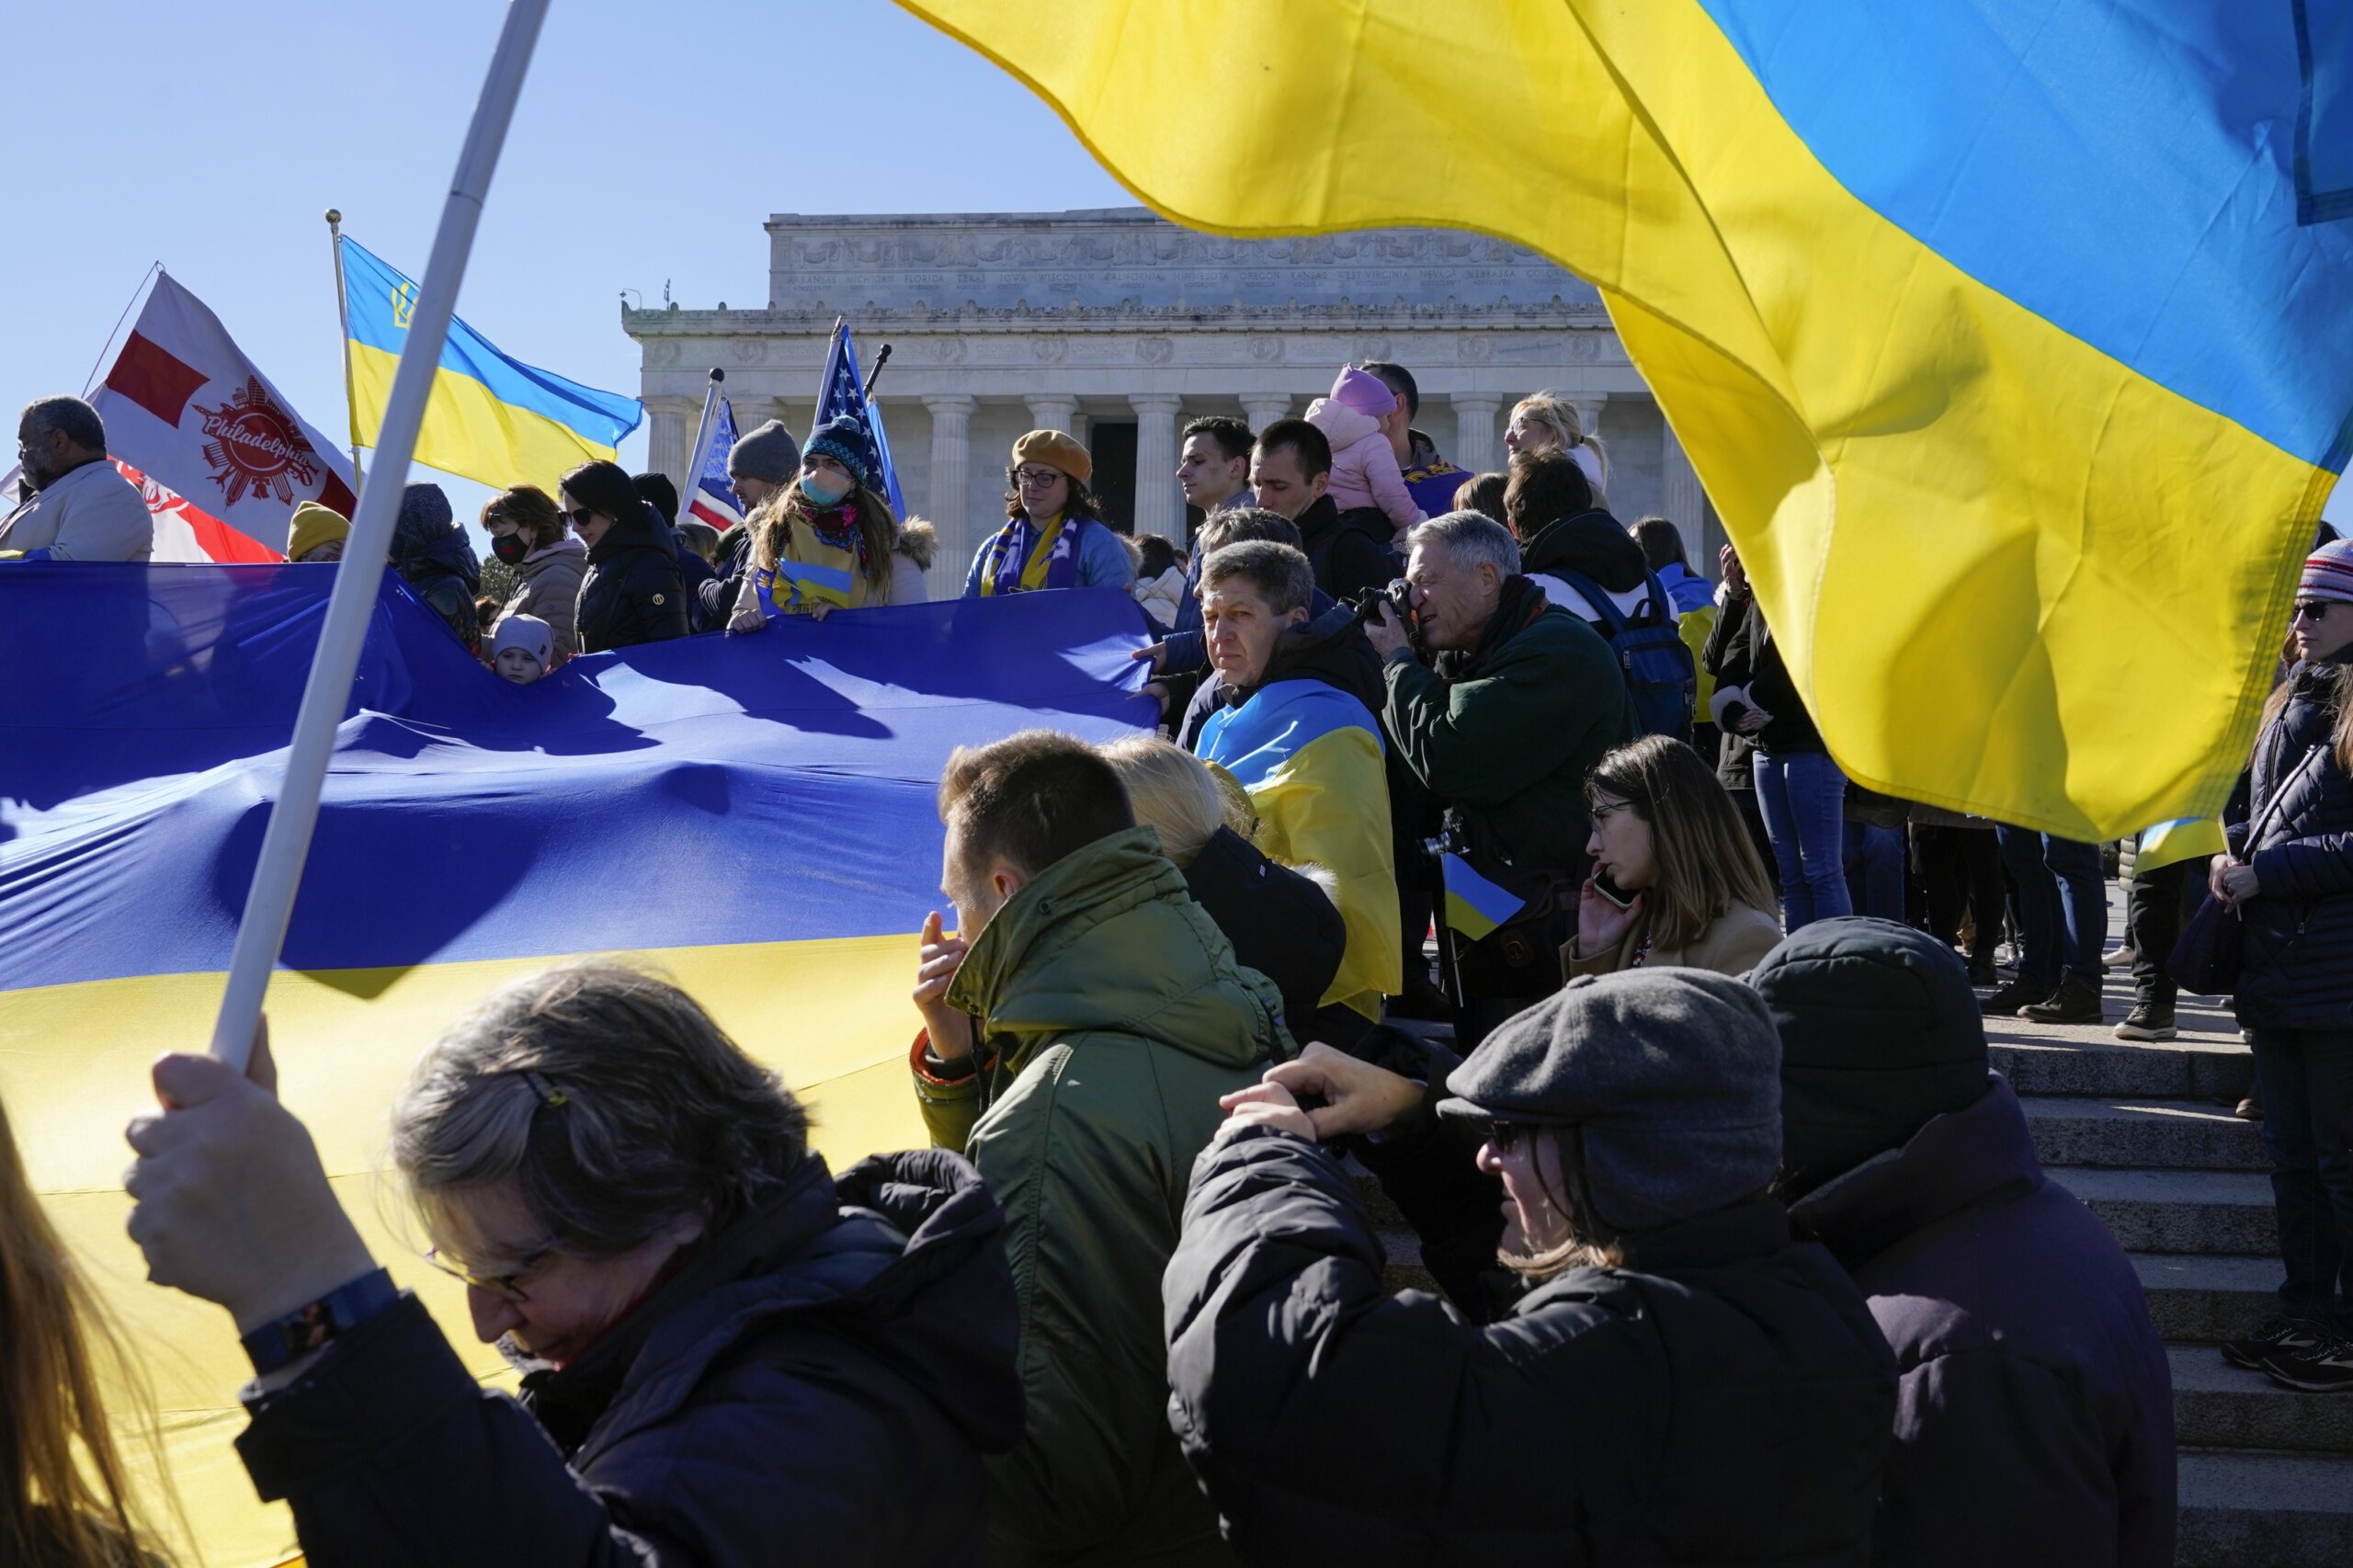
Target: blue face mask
(824,489)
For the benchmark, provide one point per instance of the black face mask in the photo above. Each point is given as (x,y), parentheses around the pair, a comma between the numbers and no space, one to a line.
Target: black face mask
(510,548)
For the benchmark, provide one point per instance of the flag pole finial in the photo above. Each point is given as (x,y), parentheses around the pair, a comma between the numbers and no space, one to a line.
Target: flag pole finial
(333,216)
(717,374)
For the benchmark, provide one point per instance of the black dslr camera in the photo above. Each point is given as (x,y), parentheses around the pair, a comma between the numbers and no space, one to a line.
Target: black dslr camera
(1398,597)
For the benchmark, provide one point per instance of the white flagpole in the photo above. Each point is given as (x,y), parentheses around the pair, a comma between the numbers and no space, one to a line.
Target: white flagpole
(343,336)
(270,902)
(693,480)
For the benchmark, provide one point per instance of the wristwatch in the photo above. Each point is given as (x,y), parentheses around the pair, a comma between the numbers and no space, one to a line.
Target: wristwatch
(287,1339)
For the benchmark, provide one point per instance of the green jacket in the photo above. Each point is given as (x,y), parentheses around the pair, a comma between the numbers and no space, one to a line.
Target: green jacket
(1509,738)
(1112,1017)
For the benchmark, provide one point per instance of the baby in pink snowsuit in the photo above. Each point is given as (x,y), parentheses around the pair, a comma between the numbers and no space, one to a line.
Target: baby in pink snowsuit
(1364,465)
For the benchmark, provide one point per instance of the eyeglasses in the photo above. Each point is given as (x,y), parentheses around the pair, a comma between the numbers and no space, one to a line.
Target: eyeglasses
(505,1285)
(1037,478)
(2312,610)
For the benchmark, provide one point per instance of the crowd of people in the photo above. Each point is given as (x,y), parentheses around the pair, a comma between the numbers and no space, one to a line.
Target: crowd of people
(1743,1250)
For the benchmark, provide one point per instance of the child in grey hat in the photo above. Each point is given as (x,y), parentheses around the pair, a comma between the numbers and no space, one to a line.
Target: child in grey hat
(1680,1380)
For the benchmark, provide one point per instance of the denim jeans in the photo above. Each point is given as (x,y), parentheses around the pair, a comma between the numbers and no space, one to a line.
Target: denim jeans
(1803,797)
(2305,1078)
(1874,868)
(2062,906)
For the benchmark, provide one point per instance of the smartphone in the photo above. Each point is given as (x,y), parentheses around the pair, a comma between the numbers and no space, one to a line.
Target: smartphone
(1611,890)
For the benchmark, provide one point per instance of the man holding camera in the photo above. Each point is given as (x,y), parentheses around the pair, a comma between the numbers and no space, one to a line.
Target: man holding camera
(1288,711)
(1519,701)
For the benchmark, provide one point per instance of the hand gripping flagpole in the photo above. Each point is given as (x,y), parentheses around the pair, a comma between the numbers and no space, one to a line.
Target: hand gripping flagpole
(270,902)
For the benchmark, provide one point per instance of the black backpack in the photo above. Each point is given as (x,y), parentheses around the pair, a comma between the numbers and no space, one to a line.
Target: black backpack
(1662,680)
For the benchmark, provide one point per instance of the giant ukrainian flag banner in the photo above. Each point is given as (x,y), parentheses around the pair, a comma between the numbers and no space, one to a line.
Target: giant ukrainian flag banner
(490,417)
(2012,339)
(753,815)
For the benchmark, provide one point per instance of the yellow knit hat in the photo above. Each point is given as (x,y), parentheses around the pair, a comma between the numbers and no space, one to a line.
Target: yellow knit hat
(314,526)
(1056,451)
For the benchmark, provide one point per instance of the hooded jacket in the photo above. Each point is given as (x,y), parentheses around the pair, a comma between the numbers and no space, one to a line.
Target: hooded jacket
(1365,472)
(2299,963)
(1721,1397)
(430,553)
(825,1371)
(1592,544)
(633,592)
(1506,731)
(1111,1018)
(1348,550)
(547,584)
(1305,743)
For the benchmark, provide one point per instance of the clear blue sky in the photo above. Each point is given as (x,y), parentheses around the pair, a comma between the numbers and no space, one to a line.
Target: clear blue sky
(651,142)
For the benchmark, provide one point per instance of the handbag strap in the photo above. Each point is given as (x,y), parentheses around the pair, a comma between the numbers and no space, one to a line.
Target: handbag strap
(2271,807)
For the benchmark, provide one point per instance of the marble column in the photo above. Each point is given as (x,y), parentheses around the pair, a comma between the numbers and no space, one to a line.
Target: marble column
(672,431)
(1055,413)
(1264,410)
(1681,500)
(949,504)
(1160,505)
(1474,432)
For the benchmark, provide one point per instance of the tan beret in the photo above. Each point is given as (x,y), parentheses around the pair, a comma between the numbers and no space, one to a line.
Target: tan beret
(1056,451)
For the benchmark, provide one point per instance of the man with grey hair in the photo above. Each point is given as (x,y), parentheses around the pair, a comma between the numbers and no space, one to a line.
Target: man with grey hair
(1519,701)
(80,506)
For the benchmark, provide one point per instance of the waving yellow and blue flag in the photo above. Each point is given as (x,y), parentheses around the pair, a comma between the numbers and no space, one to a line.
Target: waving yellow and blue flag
(2009,338)
(753,815)
(490,417)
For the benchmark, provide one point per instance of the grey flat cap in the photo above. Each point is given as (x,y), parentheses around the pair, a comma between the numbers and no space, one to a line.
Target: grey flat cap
(1672,1073)
(768,452)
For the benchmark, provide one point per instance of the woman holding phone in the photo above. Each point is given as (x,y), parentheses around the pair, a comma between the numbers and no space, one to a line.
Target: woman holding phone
(1676,880)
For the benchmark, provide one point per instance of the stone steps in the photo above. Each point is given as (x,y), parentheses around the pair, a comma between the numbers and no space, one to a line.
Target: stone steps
(2216,1406)
(2250,1510)
(2215,1073)
(2139,1134)
(2205,1300)
(2179,1210)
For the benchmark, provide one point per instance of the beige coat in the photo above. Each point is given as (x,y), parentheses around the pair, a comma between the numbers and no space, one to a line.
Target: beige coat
(91,514)
(1732,943)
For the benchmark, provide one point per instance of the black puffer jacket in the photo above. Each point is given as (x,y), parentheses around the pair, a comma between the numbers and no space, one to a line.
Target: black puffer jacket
(2299,973)
(633,592)
(1280,923)
(1723,1397)
(1349,550)
(818,1383)
(432,556)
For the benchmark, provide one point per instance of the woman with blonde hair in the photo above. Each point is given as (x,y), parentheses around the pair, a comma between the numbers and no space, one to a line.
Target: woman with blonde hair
(1676,880)
(1280,922)
(66,1499)
(824,542)
(1547,422)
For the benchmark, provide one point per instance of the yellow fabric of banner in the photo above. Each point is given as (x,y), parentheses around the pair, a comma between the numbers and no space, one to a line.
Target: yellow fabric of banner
(833,1016)
(1990,552)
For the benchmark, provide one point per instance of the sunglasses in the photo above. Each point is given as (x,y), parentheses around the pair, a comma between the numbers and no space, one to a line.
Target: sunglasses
(579,517)
(1503,1136)
(507,1285)
(2312,610)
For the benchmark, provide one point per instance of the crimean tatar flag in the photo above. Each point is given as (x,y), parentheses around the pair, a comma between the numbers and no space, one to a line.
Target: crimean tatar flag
(2011,340)
(490,417)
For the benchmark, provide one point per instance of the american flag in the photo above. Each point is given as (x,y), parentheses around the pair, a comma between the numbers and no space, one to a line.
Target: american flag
(711,499)
(843,391)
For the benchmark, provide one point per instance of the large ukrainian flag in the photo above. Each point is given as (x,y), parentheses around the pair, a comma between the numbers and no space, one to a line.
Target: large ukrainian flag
(2012,338)
(489,417)
(755,815)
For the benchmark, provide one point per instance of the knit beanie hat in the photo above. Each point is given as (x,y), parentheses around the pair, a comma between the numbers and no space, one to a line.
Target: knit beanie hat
(425,515)
(1880,1033)
(1672,1074)
(842,439)
(529,632)
(656,491)
(2328,572)
(768,452)
(1364,391)
(1056,451)
(312,525)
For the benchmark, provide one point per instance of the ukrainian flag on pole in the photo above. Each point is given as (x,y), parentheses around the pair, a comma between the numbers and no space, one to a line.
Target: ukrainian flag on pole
(490,418)
(2010,337)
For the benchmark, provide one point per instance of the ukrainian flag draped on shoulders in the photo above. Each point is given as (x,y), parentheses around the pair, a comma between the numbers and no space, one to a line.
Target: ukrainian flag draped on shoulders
(490,417)
(1309,755)
(2010,340)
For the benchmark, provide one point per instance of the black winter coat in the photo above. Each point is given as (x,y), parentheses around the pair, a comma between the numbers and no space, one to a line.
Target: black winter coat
(2298,967)
(727,570)
(1280,923)
(1723,1397)
(439,567)
(2031,1372)
(1349,550)
(1751,675)
(633,592)
(817,1383)
(1733,771)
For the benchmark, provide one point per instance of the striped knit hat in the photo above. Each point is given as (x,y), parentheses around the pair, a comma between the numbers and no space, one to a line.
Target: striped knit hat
(2328,574)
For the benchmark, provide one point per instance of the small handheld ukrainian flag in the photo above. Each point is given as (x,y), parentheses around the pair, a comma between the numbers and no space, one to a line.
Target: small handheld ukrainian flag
(1474,905)
(490,417)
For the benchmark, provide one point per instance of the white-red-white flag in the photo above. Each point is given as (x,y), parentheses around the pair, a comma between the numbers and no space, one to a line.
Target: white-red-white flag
(227,456)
